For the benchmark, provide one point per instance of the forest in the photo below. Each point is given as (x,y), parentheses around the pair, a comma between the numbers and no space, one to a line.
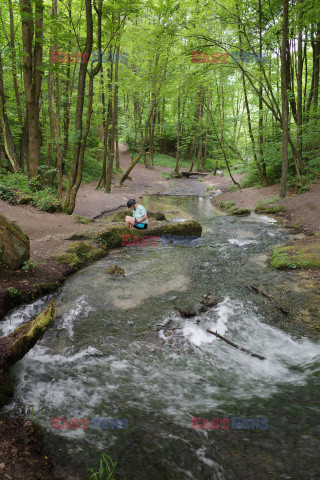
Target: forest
(194,85)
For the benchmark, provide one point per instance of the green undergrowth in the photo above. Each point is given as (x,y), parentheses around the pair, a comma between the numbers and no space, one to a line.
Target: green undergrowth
(82,220)
(232,209)
(92,167)
(159,160)
(166,175)
(296,256)
(106,471)
(79,254)
(226,205)
(18,188)
(269,206)
(168,161)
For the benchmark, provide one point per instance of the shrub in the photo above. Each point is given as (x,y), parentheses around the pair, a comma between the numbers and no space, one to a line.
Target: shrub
(7,194)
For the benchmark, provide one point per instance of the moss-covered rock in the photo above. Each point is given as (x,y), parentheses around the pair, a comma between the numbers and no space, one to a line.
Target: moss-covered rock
(112,235)
(17,344)
(83,220)
(156,215)
(267,208)
(23,338)
(14,245)
(79,254)
(189,228)
(298,255)
(119,216)
(239,211)
(115,271)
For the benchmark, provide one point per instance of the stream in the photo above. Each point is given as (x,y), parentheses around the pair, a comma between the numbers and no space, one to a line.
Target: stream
(108,357)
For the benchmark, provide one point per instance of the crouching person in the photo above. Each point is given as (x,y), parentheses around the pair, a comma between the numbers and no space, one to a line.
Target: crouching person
(139,217)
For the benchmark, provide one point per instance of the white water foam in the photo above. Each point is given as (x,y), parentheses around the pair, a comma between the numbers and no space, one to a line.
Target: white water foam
(241,243)
(243,327)
(81,310)
(22,315)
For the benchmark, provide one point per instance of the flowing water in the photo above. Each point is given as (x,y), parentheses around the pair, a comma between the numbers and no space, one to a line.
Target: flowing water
(108,356)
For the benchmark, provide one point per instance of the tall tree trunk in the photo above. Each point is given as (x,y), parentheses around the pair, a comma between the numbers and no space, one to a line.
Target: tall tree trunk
(199,161)
(115,103)
(110,128)
(102,179)
(176,170)
(58,139)
(299,85)
(76,165)
(24,146)
(316,69)
(14,65)
(284,98)
(260,124)
(206,143)
(151,137)
(32,75)
(57,113)
(66,108)
(6,131)
(52,123)
(313,95)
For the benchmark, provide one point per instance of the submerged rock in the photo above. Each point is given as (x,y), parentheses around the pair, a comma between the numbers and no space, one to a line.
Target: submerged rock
(115,271)
(78,254)
(157,215)
(187,312)
(112,236)
(14,245)
(209,301)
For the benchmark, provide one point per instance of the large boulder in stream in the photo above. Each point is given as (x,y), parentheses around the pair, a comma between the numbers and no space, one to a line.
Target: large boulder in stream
(14,245)
(112,235)
(77,253)
(17,344)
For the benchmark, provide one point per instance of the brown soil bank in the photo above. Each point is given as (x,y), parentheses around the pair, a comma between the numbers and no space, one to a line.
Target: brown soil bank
(301,211)
(22,456)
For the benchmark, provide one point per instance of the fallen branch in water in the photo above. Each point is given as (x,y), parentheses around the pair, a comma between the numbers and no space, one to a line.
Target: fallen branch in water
(282,310)
(235,345)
